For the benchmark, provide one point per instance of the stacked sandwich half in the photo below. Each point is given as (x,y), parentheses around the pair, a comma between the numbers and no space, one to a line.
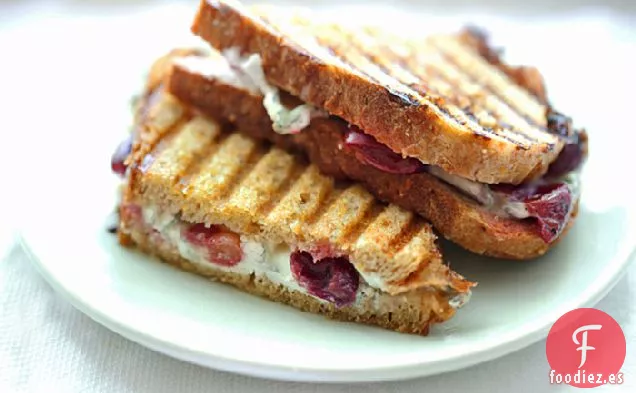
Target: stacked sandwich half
(303,162)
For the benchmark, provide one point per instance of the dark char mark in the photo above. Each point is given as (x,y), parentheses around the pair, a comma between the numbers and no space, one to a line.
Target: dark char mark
(402,98)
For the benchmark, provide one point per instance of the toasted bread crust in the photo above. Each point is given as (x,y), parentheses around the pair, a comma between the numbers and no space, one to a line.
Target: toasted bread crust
(527,77)
(411,128)
(456,217)
(412,317)
(186,165)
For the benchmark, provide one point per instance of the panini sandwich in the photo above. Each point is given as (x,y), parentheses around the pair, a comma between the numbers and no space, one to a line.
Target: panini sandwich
(440,126)
(226,206)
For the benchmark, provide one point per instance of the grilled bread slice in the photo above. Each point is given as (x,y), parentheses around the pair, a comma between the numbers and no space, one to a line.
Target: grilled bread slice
(205,83)
(188,182)
(445,100)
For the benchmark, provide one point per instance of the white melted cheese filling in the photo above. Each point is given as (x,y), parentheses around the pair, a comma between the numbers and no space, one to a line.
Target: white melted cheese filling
(498,203)
(270,260)
(284,120)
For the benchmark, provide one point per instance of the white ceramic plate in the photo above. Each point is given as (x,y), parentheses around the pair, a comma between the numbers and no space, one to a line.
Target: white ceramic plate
(70,192)
(216,326)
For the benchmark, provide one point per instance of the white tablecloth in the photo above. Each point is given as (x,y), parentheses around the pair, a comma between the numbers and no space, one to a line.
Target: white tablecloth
(48,346)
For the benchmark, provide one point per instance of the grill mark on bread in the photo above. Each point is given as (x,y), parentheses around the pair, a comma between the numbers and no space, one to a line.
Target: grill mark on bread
(492,77)
(335,50)
(148,152)
(193,166)
(396,66)
(207,134)
(496,105)
(218,173)
(241,163)
(385,228)
(485,115)
(382,58)
(162,115)
(427,132)
(421,241)
(283,190)
(155,148)
(157,115)
(265,180)
(398,90)
(392,65)
(369,216)
(436,85)
(453,214)
(332,194)
(302,202)
(407,233)
(382,237)
(343,214)
(452,112)
(197,166)
(306,44)
(244,170)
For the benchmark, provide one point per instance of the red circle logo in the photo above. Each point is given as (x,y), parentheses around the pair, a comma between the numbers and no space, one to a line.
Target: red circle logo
(586,348)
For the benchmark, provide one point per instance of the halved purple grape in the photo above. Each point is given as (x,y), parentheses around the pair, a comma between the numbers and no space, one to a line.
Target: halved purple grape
(573,153)
(549,204)
(332,279)
(379,156)
(223,246)
(570,158)
(118,159)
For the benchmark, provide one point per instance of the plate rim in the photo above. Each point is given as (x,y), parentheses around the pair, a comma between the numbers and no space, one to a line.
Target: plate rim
(514,342)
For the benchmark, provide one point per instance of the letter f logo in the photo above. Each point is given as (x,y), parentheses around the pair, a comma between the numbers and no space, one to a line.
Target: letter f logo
(584,347)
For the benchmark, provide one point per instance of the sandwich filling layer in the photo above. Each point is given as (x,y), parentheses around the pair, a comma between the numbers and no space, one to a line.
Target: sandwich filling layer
(548,201)
(247,73)
(331,279)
